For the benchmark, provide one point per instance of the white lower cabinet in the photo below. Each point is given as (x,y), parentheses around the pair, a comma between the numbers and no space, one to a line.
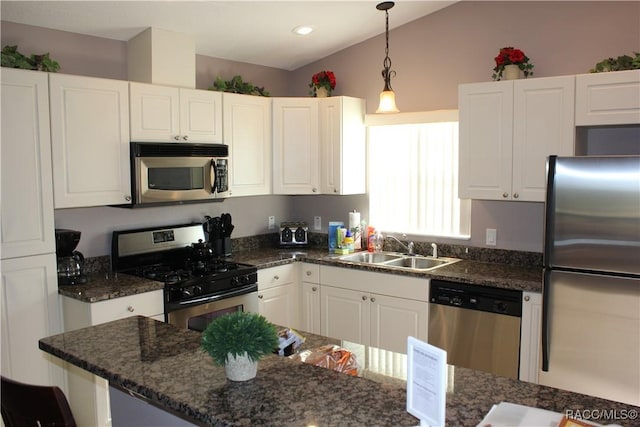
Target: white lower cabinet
(530,336)
(375,309)
(88,394)
(310,298)
(278,298)
(30,311)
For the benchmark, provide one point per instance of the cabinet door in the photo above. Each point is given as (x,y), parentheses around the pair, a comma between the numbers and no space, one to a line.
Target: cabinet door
(30,311)
(342,145)
(310,307)
(295,146)
(486,135)
(608,98)
(530,336)
(393,320)
(200,116)
(345,314)
(247,132)
(90,141)
(543,125)
(155,113)
(27,226)
(279,304)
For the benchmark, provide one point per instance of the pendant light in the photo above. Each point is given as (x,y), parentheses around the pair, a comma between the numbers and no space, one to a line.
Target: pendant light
(387,97)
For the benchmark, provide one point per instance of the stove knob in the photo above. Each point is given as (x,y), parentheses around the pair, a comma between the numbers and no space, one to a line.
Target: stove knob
(197,290)
(235,281)
(187,292)
(245,280)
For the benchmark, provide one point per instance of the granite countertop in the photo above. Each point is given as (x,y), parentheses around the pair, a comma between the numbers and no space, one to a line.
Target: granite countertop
(104,286)
(166,366)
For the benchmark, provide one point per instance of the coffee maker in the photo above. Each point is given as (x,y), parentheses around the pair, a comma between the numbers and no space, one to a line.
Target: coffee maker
(70,261)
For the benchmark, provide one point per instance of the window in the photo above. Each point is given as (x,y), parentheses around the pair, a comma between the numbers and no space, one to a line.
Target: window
(413,178)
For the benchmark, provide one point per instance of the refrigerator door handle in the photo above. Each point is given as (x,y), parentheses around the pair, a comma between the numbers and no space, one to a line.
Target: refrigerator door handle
(545,320)
(549,213)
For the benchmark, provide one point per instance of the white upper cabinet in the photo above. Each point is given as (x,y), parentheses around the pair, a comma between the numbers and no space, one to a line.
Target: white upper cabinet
(27,226)
(319,146)
(342,145)
(170,114)
(611,98)
(247,132)
(90,141)
(295,146)
(507,131)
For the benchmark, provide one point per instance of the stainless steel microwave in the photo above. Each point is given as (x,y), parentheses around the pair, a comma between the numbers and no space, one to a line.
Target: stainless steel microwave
(177,173)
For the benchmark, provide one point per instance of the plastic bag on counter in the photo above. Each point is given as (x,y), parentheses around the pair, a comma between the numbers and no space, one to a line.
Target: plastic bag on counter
(331,357)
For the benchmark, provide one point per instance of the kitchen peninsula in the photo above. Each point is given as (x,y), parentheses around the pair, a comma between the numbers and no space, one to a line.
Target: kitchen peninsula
(165,366)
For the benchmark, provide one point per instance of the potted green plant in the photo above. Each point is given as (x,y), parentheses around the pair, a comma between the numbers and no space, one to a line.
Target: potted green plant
(621,63)
(509,62)
(238,341)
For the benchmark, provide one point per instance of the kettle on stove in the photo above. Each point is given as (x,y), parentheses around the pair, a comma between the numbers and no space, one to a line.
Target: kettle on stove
(70,261)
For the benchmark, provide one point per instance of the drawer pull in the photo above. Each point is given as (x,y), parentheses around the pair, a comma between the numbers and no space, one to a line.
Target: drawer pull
(364,297)
(130,309)
(373,300)
(527,298)
(314,289)
(308,273)
(276,277)
(260,296)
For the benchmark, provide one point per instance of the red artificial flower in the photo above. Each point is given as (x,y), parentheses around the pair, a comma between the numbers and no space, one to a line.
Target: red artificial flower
(326,79)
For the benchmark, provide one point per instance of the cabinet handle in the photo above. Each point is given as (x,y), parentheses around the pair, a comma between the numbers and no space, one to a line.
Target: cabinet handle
(314,190)
(127,198)
(130,309)
(335,190)
(516,195)
(308,273)
(276,277)
(177,137)
(364,297)
(505,195)
(527,298)
(314,289)
(185,138)
(260,296)
(373,299)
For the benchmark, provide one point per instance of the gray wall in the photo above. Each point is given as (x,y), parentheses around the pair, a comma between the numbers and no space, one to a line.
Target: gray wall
(431,56)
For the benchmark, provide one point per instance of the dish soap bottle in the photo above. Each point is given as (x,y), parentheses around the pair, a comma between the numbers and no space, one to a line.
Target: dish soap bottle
(348,241)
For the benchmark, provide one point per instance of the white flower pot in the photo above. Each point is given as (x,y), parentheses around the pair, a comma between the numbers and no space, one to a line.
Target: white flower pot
(511,72)
(322,92)
(240,368)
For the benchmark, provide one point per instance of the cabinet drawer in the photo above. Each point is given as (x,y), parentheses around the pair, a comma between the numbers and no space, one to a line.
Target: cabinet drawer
(146,304)
(310,273)
(276,276)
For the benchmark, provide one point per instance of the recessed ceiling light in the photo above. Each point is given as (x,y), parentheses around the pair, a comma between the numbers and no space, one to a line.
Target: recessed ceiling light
(302,30)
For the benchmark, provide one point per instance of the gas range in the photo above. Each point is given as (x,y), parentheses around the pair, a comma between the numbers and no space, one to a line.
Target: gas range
(190,273)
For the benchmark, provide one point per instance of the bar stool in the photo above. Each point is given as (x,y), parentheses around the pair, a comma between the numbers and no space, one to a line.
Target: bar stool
(25,405)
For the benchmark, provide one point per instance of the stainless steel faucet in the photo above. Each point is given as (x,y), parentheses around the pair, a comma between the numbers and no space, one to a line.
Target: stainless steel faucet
(409,246)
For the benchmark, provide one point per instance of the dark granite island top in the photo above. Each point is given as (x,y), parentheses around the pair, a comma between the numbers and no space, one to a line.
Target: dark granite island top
(166,366)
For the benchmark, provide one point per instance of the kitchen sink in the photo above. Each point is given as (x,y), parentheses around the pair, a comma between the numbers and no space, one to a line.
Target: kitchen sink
(398,260)
(370,257)
(418,263)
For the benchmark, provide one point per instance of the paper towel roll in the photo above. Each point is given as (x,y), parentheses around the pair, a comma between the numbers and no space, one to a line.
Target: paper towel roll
(354,219)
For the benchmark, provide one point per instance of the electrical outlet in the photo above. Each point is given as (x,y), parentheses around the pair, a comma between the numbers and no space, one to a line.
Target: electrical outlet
(272,222)
(317,223)
(491,236)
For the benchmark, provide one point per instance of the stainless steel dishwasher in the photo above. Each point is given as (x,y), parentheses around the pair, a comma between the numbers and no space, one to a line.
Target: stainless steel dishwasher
(478,326)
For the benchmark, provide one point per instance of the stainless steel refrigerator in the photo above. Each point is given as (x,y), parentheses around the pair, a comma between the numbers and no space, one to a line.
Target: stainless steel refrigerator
(591,293)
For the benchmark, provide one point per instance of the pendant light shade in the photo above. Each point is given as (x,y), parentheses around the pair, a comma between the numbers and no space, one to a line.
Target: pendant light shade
(387,96)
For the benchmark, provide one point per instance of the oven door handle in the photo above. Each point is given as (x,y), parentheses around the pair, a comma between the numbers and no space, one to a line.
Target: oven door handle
(239,291)
(214,170)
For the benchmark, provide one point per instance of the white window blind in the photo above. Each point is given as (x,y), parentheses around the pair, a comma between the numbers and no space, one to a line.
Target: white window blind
(413,180)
